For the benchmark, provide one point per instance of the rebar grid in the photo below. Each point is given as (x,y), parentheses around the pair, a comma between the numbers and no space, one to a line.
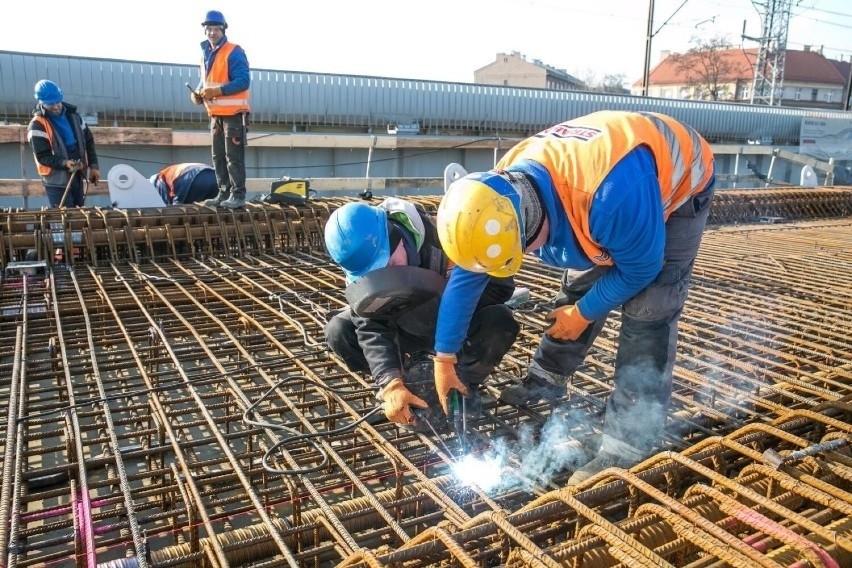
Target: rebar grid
(151,337)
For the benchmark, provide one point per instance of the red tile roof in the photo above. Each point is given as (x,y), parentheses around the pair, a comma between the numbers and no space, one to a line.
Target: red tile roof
(799,67)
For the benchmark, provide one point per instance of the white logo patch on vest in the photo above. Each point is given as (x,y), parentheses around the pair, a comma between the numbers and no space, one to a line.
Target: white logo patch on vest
(582,133)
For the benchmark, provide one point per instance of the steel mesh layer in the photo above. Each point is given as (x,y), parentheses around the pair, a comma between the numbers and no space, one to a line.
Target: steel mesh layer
(167,389)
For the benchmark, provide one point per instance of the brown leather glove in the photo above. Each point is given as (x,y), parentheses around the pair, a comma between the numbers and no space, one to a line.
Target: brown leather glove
(94,175)
(568,323)
(195,98)
(446,379)
(73,165)
(210,93)
(397,400)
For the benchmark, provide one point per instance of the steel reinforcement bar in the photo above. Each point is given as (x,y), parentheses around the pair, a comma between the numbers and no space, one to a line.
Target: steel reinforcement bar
(171,402)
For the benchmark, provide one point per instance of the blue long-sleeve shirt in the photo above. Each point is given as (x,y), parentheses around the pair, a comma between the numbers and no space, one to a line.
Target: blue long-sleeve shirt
(626,219)
(239,74)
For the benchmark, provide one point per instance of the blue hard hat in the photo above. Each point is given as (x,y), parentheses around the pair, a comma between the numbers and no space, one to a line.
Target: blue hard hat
(356,237)
(47,92)
(215,18)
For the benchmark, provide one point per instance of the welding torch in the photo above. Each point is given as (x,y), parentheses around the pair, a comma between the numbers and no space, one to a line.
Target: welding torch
(191,90)
(459,417)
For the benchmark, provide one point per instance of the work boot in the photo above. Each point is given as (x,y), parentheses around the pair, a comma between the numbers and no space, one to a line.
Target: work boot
(602,461)
(235,201)
(538,384)
(217,201)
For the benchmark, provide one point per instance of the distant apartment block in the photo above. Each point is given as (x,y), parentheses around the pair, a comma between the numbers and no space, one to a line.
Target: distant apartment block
(810,79)
(514,70)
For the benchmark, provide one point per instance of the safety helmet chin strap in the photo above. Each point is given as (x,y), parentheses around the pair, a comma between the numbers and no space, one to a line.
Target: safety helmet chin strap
(532,206)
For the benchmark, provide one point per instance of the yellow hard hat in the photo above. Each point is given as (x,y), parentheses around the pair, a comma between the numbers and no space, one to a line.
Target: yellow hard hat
(480,224)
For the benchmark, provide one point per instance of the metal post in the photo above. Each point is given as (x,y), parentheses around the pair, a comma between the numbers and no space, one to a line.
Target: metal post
(736,169)
(771,165)
(649,36)
(367,190)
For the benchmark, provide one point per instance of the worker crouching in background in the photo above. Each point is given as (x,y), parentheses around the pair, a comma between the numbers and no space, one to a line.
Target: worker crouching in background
(185,183)
(63,147)
(396,272)
(621,200)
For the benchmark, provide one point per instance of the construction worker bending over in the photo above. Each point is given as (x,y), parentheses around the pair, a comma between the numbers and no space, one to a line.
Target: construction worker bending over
(396,272)
(185,183)
(619,199)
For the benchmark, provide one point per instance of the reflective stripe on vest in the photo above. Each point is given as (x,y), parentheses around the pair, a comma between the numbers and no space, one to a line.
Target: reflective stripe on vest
(223,105)
(580,153)
(43,171)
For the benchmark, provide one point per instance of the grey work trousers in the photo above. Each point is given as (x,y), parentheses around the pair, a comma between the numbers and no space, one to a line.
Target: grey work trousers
(647,345)
(228,136)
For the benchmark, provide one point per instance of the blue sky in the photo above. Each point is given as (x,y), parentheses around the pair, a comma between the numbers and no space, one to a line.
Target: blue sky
(435,39)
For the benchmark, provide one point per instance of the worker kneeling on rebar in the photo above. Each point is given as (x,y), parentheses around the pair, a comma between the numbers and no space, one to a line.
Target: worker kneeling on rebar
(621,200)
(396,272)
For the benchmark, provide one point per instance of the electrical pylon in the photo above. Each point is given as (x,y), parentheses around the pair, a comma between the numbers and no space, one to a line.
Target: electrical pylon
(768,84)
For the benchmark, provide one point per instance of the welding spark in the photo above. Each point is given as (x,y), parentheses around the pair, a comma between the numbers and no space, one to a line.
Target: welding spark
(484,472)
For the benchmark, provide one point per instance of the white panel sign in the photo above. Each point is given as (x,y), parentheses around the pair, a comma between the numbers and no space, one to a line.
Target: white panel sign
(825,138)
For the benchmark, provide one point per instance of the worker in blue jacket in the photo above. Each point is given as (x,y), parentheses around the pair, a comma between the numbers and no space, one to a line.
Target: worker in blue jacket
(185,183)
(620,201)
(396,271)
(224,91)
(63,147)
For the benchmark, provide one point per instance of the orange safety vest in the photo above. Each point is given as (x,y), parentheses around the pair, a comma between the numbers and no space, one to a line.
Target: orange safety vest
(171,173)
(59,176)
(223,105)
(580,153)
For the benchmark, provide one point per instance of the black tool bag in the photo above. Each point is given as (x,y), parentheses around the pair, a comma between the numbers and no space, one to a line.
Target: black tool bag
(288,191)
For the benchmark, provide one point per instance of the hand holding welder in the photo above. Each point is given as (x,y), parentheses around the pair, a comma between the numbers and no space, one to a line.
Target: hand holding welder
(73,165)
(194,95)
(210,93)
(446,379)
(397,402)
(568,323)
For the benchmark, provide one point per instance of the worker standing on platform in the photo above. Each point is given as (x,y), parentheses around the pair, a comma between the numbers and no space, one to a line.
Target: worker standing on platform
(396,272)
(618,199)
(185,183)
(224,90)
(63,147)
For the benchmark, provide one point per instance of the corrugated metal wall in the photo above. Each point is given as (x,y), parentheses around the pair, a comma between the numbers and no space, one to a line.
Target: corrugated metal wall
(127,92)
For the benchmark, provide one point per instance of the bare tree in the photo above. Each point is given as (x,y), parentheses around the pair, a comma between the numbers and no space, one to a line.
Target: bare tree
(609,83)
(613,83)
(706,69)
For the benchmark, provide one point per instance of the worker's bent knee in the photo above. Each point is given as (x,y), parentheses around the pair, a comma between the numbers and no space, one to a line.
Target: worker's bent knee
(491,334)
(663,298)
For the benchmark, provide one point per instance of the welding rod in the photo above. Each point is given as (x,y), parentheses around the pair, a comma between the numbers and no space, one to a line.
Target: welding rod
(776,460)
(422,416)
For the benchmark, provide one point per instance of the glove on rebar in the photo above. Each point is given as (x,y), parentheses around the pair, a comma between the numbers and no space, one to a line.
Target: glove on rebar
(446,379)
(397,400)
(568,323)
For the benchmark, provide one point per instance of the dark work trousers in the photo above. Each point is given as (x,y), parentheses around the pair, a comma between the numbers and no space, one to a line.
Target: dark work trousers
(204,186)
(492,332)
(75,197)
(228,134)
(647,345)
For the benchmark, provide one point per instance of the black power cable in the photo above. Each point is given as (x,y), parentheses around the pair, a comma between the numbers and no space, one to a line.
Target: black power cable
(310,438)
